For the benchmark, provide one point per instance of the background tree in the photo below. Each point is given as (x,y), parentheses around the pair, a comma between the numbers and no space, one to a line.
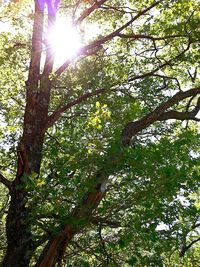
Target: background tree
(99,152)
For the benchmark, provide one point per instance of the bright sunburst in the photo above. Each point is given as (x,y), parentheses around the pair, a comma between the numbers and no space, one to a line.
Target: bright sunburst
(64,39)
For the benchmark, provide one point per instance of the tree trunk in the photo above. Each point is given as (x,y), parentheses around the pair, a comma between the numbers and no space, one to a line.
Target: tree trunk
(18,225)
(20,246)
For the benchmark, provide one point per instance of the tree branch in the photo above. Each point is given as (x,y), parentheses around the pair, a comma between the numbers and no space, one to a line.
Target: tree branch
(144,36)
(89,10)
(102,243)
(173,114)
(56,114)
(167,63)
(84,50)
(82,213)
(195,226)
(132,128)
(4,181)
(105,222)
(185,248)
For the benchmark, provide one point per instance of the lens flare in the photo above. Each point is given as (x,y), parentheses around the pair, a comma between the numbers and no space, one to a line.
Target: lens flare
(64,39)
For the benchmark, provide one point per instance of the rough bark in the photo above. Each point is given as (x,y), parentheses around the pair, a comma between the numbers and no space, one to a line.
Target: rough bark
(29,154)
(81,215)
(19,241)
(20,245)
(55,249)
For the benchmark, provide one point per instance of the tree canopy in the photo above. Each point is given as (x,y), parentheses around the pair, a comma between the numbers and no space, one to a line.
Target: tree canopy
(99,147)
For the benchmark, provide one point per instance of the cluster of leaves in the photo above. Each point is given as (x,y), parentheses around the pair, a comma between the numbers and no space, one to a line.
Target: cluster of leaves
(151,203)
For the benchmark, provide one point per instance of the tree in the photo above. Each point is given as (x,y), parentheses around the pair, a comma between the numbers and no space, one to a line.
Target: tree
(100,154)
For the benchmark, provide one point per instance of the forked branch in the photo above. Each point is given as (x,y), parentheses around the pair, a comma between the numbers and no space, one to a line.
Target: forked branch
(132,128)
(188,115)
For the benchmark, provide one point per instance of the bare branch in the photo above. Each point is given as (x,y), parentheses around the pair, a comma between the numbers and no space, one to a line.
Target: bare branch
(144,36)
(185,248)
(89,10)
(173,114)
(164,77)
(178,116)
(4,181)
(132,128)
(153,72)
(122,9)
(195,226)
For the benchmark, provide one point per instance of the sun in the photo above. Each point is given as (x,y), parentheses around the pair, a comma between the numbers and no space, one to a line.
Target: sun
(64,39)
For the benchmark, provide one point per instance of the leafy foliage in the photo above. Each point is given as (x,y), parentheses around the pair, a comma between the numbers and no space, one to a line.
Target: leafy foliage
(149,215)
